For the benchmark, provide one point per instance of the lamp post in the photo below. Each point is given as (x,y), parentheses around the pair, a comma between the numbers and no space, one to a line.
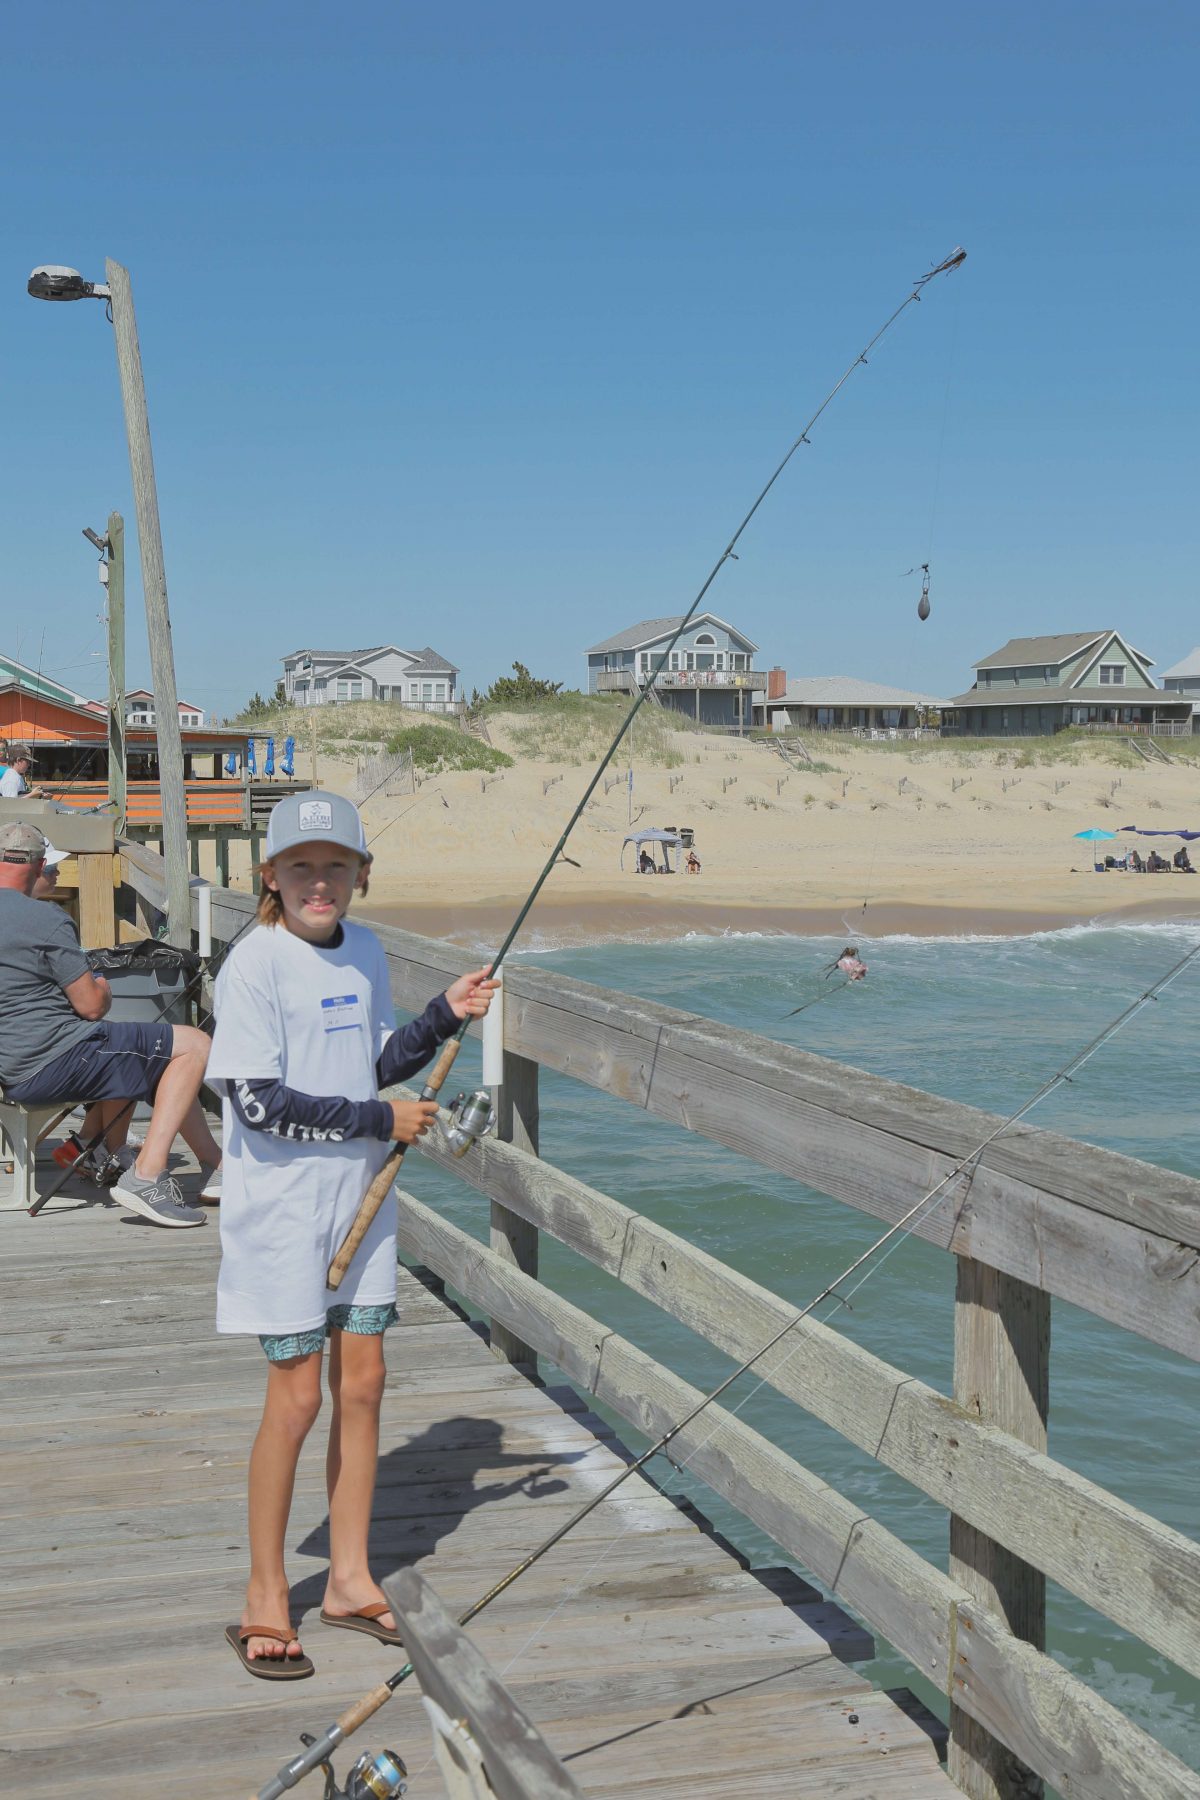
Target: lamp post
(52,282)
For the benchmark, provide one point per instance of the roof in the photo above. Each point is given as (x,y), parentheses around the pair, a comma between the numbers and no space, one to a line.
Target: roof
(1190,665)
(429,659)
(648,631)
(1073,696)
(1055,649)
(847,690)
(337,655)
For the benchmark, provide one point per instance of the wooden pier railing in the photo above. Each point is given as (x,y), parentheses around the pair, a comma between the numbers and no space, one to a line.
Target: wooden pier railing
(1035,1215)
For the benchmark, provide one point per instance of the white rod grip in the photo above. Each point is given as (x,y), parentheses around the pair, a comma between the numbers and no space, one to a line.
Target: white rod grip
(204,918)
(493,1041)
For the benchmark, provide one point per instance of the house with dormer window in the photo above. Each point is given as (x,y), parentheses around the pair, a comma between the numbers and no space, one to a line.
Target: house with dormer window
(709,674)
(413,678)
(1089,680)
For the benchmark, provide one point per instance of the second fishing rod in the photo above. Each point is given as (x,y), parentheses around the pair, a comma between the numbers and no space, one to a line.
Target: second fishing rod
(472,1121)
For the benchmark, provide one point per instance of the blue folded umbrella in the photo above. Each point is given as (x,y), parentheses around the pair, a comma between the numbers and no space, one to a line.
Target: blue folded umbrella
(269,764)
(289,756)
(231,764)
(251,760)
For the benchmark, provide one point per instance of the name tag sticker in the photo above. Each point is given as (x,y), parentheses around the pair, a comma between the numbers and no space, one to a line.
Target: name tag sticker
(341,1012)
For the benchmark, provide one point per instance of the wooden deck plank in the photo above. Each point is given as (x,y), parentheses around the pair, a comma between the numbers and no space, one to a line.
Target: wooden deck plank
(124,1433)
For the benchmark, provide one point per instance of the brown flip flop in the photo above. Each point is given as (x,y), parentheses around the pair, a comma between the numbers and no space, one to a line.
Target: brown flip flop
(365,1620)
(269,1668)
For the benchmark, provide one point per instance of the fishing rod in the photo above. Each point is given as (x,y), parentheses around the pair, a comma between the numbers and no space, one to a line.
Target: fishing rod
(472,1120)
(318,1750)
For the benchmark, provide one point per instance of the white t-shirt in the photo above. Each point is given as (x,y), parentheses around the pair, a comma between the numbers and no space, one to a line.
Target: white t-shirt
(12,785)
(315,1019)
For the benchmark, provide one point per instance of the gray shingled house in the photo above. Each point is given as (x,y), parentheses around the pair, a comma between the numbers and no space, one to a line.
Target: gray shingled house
(1090,680)
(1184,678)
(709,674)
(417,678)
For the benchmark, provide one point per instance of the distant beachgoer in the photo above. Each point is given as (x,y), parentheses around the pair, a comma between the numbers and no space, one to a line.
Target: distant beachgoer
(645,863)
(693,863)
(849,965)
(1156,864)
(1136,863)
(1183,861)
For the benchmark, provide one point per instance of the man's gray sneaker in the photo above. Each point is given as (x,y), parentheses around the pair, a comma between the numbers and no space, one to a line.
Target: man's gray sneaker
(159,1200)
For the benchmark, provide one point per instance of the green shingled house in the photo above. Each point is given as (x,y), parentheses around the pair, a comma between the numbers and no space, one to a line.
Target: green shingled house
(1090,680)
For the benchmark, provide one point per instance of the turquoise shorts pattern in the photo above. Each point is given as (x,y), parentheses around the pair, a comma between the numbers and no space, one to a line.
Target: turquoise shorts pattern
(363,1321)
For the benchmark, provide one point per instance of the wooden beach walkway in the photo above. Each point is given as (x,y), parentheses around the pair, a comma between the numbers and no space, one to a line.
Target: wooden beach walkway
(650,1658)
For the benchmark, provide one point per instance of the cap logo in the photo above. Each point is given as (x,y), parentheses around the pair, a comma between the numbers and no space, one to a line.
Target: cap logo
(315,815)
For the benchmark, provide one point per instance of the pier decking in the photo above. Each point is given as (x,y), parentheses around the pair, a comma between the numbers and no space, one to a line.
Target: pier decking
(649,1657)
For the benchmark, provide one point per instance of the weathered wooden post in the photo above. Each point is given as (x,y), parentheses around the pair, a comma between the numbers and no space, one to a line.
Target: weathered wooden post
(1001,1376)
(158,618)
(514,1238)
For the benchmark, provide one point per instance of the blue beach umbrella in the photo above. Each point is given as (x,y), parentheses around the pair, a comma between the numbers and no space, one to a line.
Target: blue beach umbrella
(1094,835)
(269,764)
(231,764)
(289,756)
(251,759)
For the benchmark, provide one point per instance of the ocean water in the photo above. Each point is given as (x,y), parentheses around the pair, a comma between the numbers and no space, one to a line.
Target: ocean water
(985,1020)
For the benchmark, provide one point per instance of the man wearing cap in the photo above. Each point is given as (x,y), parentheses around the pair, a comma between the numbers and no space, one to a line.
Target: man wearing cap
(55,1046)
(13,782)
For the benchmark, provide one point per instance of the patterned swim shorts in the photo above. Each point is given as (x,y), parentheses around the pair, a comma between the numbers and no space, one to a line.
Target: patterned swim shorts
(363,1321)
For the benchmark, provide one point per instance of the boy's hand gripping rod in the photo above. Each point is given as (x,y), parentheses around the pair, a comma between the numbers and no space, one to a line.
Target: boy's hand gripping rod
(378,1191)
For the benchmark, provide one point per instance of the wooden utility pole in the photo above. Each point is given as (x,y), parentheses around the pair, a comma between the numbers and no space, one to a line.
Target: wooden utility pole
(116,668)
(313,730)
(158,618)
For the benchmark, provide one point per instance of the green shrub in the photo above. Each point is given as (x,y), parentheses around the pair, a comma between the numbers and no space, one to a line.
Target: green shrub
(435,748)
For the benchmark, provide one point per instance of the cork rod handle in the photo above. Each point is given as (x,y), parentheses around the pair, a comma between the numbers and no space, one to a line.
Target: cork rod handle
(380,1188)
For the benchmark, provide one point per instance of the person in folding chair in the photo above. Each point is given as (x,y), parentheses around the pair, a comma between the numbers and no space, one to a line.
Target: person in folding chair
(55,1047)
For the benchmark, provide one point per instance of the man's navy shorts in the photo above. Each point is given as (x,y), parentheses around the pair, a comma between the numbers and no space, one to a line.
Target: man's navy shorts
(121,1061)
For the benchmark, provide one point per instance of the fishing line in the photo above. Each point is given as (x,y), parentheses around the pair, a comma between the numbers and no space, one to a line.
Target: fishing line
(382,1185)
(902,1228)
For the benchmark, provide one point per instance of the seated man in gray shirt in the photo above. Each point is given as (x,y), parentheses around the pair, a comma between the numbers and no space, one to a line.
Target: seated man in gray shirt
(55,1046)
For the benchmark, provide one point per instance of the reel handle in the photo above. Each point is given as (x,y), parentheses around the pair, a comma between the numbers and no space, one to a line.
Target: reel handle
(381,1187)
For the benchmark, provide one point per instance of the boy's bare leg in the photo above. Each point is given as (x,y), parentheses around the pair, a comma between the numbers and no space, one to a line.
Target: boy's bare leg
(292,1404)
(356,1381)
(176,1108)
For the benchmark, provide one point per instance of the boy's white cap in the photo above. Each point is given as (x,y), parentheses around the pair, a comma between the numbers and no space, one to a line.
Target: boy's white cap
(53,857)
(315,818)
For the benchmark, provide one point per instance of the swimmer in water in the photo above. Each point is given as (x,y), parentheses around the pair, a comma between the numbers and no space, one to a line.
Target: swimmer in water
(848,964)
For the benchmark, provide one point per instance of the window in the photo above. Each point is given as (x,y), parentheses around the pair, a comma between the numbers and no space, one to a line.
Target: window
(706,637)
(674,659)
(427,690)
(644,661)
(349,687)
(720,659)
(1112,674)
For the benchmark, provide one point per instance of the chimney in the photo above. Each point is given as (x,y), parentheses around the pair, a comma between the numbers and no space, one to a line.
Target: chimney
(776,683)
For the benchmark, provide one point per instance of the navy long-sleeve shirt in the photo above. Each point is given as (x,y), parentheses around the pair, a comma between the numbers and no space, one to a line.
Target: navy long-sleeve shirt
(270,1105)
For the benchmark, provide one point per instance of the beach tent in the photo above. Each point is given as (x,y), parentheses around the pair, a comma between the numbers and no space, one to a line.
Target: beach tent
(1191,836)
(670,840)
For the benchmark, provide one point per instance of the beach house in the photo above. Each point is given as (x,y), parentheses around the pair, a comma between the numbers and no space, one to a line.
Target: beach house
(139,709)
(1087,680)
(1184,678)
(709,674)
(414,678)
(842,703)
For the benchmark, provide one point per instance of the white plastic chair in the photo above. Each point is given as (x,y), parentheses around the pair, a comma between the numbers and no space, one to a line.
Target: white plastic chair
(19,1129)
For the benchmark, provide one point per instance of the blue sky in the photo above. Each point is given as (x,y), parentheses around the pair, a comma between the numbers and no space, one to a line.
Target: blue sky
(480,326)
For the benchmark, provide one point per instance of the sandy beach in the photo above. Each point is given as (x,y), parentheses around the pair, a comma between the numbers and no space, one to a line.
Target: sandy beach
(897,838)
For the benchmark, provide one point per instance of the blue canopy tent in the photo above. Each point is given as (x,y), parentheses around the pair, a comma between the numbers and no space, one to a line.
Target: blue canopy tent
(670,840)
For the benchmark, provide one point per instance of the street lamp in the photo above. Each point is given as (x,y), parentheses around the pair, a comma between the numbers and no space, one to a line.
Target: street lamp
(51,281)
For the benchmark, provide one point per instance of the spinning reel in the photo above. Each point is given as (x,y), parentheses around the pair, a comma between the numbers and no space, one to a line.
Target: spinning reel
(378,1777)
(472,1116)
